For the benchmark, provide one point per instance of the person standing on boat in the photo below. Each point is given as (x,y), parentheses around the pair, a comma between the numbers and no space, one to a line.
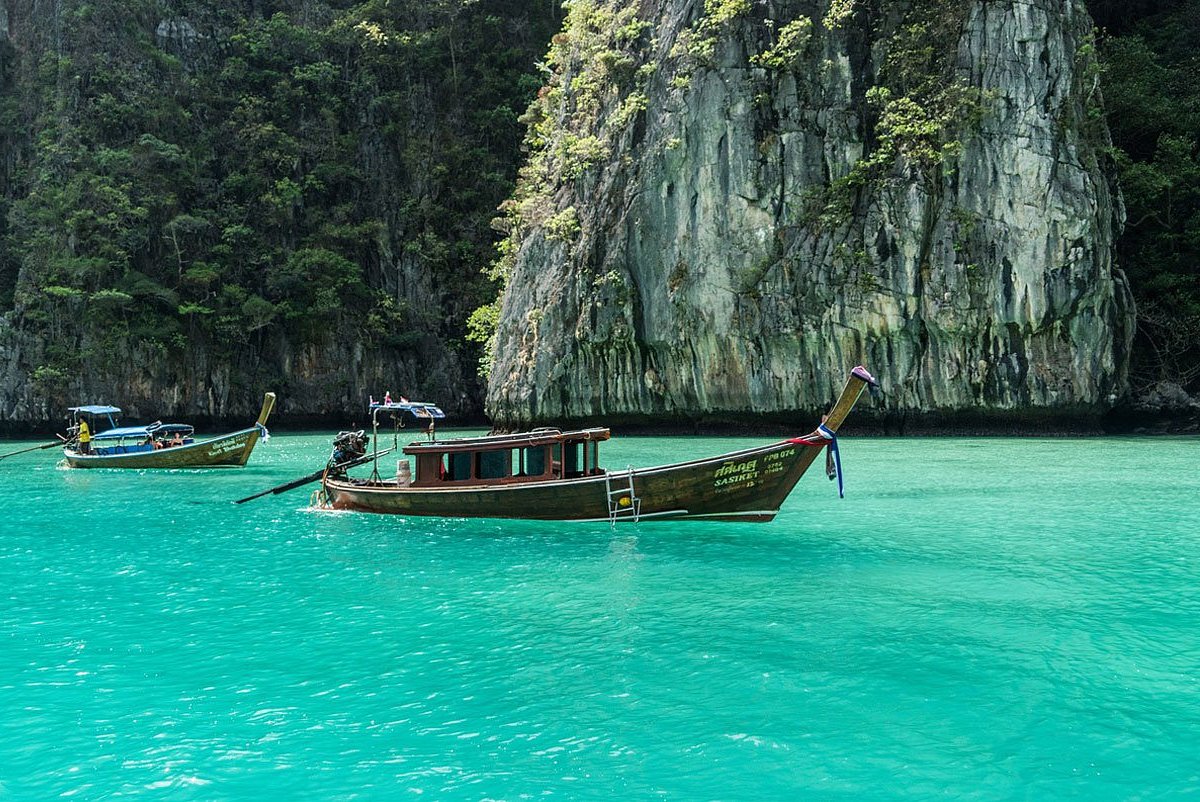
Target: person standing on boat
(85,437)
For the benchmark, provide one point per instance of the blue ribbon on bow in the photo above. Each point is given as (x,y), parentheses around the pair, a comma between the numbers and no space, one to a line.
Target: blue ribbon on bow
(831,436)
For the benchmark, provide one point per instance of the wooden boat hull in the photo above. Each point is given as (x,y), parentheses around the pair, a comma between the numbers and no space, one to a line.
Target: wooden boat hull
(741,486)
(228,450)
(747,485)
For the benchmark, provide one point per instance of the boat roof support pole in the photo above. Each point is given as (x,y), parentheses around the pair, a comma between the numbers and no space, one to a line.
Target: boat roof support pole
(375,445)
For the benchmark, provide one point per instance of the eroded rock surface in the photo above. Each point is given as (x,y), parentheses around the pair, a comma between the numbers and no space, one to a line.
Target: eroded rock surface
(713,271)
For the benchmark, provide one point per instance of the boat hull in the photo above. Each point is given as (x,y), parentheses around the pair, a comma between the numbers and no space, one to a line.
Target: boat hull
(231,450)
(741,486)
(747,485)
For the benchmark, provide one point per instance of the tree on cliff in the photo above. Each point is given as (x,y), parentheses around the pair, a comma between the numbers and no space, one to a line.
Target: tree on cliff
(1152,97)
(214,188)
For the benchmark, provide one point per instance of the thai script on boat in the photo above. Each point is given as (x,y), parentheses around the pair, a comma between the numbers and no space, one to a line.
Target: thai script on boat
(224,448)
(732,473)
(732,467)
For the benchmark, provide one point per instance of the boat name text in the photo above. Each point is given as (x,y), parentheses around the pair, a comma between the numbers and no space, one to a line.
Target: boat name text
(225,448)
(736,467)
(732,473)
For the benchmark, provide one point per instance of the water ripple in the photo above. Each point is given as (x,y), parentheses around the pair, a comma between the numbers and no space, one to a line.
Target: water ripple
(970,630)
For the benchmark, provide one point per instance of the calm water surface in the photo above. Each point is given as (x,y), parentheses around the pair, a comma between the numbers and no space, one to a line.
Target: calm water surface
(978,619)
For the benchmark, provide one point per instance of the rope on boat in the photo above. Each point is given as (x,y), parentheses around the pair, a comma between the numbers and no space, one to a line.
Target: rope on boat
(320,497)
(262,432)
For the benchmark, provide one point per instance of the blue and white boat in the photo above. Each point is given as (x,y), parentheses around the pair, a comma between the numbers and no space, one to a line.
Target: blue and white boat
(158,445)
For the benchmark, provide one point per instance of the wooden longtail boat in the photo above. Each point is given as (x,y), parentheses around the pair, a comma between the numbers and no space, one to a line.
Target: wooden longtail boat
(548,474)
(162,445)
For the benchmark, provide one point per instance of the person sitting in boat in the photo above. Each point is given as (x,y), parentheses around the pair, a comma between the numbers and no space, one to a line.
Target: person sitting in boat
(177,440)
(85,437)
(149,440)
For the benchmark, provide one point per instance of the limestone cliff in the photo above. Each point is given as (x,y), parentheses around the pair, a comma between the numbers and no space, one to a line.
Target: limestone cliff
(200,201)
(728,206)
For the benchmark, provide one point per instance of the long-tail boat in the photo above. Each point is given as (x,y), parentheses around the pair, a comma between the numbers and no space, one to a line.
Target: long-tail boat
(160,445)
(550,474)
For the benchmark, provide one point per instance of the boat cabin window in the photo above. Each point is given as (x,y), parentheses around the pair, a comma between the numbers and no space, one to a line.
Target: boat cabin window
(464,466)
(535,460)
(493,464)
(568,456)
(459,467)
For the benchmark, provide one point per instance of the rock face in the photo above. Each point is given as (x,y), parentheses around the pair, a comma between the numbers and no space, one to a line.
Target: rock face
(766,219)
(1167,397)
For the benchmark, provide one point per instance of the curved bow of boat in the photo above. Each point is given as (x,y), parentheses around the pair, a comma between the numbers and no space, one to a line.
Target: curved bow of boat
(268,404)
(860,378)
(260,428)
(825,435)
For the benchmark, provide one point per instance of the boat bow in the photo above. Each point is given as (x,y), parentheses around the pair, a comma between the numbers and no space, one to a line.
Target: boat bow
(825,435)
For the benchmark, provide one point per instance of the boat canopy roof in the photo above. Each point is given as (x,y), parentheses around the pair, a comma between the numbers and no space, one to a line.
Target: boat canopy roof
(418,409)
(144,431)
(124,431)
(96,409)
(499,442)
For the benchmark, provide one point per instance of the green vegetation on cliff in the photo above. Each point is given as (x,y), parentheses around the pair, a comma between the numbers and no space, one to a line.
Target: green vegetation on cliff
(230,179)
(595,71)
(1151,86)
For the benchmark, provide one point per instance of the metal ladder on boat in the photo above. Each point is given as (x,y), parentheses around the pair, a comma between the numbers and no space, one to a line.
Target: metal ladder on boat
(623,502)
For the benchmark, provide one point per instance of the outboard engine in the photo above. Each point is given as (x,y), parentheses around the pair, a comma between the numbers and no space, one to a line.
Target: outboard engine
(347,447)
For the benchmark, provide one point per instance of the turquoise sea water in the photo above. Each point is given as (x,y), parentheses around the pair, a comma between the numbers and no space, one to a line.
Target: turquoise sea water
(978,619)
